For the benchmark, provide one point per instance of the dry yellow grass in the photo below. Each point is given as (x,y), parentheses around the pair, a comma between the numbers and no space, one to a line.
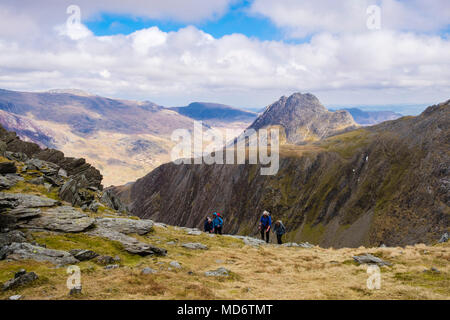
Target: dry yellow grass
(271,272)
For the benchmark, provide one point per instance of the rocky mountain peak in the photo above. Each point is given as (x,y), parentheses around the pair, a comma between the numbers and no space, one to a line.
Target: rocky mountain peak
(303,118)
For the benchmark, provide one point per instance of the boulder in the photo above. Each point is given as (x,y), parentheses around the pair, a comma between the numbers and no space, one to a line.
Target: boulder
(194,246)
(45,167)
(253,241)
(126,226)
(105,260)
(65,219)
(20,280)
(15,297)
(83,255)
(26,251)
(11,236)
(7,167)
(370,259)
(175,264)
(444,238)
(72,191)
(221,272)
(112,201)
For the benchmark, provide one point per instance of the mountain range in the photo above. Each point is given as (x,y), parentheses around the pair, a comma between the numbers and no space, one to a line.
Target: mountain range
(367,118)
(383,184)
(127,139)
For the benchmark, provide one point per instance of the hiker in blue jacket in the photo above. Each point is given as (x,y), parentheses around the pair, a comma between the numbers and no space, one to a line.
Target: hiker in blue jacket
(208,225)
(279,229)
(264,225)
(217,223)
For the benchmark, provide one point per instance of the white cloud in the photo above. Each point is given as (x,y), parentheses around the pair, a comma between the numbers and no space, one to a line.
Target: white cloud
(189,64)
(300,18)
(338,64)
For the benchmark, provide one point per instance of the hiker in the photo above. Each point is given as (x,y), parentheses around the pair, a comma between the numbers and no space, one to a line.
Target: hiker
(264,225)
(208,226)
(279,229)
(217,223)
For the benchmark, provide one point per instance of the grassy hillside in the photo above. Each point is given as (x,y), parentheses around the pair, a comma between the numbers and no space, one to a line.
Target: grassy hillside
(269,272)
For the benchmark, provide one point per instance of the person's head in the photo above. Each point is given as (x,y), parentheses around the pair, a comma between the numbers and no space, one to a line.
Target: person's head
(209,219)
(215,214)
(266,213)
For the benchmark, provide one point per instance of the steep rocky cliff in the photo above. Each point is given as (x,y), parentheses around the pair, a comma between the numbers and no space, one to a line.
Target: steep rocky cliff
(388,184)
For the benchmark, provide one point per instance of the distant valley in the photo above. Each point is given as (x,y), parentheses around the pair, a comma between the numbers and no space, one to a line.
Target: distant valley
(124,139)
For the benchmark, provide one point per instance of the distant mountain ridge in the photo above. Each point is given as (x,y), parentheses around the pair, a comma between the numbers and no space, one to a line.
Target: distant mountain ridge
(368,118)
(216,111)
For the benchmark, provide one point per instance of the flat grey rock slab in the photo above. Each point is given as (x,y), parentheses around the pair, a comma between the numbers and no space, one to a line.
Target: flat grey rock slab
(195,246)
(125,225)
(26,200)
(25,251)
(24,213)
(130,244)
(63,219)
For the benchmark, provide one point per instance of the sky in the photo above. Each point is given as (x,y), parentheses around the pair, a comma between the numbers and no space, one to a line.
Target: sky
(245,53)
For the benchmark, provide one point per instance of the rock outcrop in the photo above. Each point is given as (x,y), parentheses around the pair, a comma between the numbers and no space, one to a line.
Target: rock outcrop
(303,118)
(26,251)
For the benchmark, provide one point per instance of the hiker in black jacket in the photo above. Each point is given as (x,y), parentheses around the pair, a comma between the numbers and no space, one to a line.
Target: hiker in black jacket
(208,226)
(279,230)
